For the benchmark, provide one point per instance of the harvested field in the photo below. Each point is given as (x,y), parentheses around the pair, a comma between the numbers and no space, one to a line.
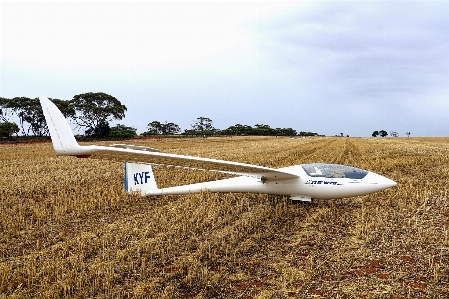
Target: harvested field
(67,229)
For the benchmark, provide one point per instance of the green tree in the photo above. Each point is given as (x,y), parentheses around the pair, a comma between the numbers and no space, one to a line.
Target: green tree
(155,128)
(264,130)
(100,131)
(290,132)
(65,107)
(202,126)
(122,132)
(7,129)
(383,133)
(5,110)
(29,111)
(95,110)
(238,129)
(375,134)
(303,134)
(170,128)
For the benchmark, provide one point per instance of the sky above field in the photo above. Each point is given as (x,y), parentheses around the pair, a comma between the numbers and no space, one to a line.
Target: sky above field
(327,67)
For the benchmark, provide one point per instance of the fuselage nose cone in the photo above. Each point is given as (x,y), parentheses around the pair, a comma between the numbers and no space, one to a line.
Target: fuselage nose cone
(387,182)
(380,180)
(391,183)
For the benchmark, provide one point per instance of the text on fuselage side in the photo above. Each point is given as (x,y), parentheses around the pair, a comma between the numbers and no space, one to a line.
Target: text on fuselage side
(312,182)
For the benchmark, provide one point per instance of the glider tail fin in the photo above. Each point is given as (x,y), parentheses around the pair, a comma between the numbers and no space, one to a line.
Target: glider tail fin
(139,178)
(61,134)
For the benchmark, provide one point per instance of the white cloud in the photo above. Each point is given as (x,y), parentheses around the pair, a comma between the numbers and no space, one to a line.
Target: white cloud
(124,34)
(303,64)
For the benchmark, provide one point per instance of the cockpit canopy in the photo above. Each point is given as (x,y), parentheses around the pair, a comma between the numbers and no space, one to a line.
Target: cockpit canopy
(323,170)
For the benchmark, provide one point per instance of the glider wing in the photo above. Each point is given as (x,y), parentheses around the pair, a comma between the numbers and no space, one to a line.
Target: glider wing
(64,143)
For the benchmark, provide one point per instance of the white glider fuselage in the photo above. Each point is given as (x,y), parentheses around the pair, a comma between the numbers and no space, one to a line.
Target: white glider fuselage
(303,188)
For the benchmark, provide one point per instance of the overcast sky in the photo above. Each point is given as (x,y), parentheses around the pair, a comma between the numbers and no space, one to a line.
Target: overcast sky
(326,67)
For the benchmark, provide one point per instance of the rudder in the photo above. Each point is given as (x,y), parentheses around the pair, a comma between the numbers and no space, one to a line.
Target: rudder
(139,178)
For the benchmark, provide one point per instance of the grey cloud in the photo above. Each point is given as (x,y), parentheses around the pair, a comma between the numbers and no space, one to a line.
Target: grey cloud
(389,45)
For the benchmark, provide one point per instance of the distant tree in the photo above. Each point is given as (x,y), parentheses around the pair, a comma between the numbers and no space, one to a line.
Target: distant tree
(5,110)
(394,134)
(170,128)
(22,107)
(7,129)
(383,133)
(189,132)
(408,134)
(29,111)
(122,131)
(302,133)
(263,130)
(286,132)
(375,134)
(202,126)
(101,130)
(238,129)
(94,111)
(155,127)
(259,129)
(65,107)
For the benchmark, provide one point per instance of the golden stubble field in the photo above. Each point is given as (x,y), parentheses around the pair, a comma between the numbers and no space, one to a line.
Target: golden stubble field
(68,230)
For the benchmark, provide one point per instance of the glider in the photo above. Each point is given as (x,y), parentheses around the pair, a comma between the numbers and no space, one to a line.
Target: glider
(301,182)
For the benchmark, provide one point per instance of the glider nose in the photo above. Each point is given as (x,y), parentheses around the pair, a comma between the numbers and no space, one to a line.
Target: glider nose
(379,180)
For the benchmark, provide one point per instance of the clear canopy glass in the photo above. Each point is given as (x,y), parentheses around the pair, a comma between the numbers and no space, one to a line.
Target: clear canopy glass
(323,170)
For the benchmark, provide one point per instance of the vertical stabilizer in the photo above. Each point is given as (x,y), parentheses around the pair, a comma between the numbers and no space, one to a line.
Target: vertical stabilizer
(139,178)
(61,134)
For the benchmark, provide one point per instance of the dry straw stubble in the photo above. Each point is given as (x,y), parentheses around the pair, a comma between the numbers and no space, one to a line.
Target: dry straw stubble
(67,229)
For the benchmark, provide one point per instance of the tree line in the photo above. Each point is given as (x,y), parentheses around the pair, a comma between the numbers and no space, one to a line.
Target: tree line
(383,133)
(92,113)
